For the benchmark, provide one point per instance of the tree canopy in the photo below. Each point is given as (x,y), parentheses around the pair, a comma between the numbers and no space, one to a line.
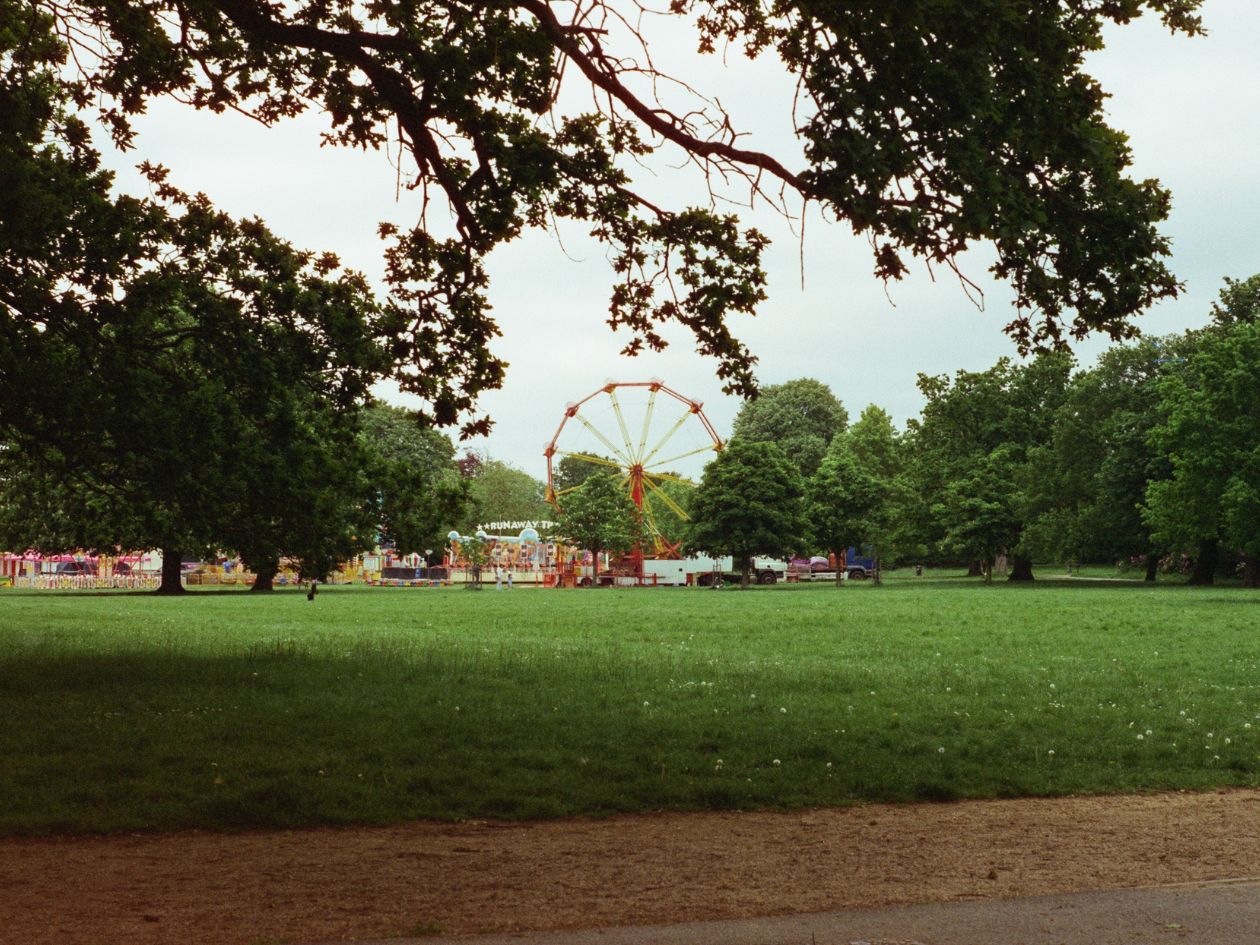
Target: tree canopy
(418,491)
(749,502)
(599,516)
(977,429)
(189,381)
(844,500)
(1209,427)
(1094,467)
(1239,301)
(928,126)
(801,416)
(571,471)
(500,492)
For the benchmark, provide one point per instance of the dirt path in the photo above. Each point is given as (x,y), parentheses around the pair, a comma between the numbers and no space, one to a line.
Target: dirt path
(313,885)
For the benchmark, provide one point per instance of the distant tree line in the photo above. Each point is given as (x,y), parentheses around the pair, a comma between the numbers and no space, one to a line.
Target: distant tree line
(181,379)
(1150,457)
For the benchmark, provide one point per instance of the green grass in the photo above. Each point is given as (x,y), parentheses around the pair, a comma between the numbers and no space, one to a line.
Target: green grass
(225,710)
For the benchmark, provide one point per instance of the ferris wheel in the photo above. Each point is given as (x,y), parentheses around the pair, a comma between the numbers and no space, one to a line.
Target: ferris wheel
(655,452)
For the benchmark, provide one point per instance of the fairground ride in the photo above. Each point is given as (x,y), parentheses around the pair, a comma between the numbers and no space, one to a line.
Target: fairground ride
(651,437)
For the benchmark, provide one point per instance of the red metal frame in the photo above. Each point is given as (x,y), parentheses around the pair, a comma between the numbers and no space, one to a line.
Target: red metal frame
(636,465)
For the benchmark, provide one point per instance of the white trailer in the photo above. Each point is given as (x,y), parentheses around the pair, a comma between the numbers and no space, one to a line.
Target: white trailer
(708,571)
(679,572)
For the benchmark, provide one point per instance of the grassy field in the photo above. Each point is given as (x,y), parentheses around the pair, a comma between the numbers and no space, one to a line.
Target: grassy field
(226,710)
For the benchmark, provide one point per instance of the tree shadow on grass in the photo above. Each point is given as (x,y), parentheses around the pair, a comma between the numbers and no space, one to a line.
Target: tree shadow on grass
(143,594)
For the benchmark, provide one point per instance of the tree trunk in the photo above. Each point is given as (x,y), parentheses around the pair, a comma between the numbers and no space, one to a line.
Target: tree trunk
(172,568)
(1251,571)
(745,574)
(976,568)
(1021,568)
(1152,565)
(840,566)
(1205,564)
(265,576)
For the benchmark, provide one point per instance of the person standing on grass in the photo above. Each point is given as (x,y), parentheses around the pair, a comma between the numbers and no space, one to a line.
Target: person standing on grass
(498,576)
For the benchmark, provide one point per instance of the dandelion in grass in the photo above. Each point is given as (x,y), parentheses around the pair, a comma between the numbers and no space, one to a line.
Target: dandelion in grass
(776,762)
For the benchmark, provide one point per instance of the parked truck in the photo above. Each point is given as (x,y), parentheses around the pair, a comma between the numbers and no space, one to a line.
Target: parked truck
(709,572)
(859,564)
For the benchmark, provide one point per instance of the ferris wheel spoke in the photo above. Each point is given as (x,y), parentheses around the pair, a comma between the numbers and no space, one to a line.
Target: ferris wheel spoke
(659,541)
(666,438)
(650,518)
(647,422)
(660,493)
(630,453)
(589,458)
(672,478)
(674,459)
(603,439)
(621,422)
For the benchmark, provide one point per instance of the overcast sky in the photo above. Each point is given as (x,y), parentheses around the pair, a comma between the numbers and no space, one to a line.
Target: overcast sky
(1190,106)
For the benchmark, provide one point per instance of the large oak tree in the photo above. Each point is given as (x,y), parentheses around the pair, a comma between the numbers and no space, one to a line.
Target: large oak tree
(180,379)
(926,125)
(1209,428)
(974,469)
(750,502)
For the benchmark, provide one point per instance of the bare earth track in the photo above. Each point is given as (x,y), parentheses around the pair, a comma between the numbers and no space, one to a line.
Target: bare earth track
(424,878)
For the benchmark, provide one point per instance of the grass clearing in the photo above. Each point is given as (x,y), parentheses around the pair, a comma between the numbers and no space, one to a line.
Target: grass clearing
(226,710)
